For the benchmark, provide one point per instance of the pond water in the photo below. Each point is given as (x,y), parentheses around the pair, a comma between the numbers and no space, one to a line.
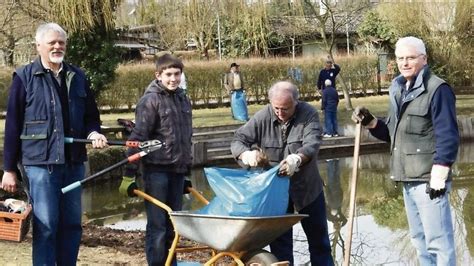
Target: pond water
(380,227)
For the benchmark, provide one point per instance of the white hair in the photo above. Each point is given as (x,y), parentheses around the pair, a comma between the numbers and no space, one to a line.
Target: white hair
(283,86)
(44,28)
(327,82)
(413,42)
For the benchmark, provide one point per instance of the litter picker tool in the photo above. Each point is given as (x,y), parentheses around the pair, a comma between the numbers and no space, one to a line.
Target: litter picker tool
(147,147)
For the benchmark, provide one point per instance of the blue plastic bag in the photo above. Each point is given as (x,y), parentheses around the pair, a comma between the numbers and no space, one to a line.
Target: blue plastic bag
(238,105)
(249,193)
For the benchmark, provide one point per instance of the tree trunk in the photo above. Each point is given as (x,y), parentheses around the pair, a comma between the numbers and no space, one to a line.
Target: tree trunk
(345,91)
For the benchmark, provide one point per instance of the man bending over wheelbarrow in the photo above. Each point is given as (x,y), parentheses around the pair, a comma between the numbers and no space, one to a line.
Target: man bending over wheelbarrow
(288,133)
(163,113)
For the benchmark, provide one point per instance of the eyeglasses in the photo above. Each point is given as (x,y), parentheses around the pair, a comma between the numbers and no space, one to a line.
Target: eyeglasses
(282,110)
(409,59)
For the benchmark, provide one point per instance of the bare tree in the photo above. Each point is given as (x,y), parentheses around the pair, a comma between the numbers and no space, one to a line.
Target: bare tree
(200,21)
(331,17)
(15,27)
(167,20)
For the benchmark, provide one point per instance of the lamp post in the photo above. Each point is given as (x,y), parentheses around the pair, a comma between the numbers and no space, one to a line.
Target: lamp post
(219,36)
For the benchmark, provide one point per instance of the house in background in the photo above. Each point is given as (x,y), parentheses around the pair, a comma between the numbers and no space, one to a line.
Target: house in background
(139,42)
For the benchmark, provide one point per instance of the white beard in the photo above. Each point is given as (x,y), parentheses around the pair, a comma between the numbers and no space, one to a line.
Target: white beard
(56,60)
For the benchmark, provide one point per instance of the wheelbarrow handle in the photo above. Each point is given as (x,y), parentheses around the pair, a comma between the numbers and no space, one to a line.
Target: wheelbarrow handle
(128,143)
(132,158)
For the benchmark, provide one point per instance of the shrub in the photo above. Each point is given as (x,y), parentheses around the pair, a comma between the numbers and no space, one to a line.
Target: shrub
(5,81)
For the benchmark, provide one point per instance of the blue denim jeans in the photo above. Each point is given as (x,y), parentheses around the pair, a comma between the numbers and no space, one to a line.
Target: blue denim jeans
(167,188)
(316,229)
(330,122)
(56,217)
(431,228)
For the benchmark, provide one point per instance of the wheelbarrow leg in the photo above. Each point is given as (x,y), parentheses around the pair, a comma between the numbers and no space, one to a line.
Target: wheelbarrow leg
(222,254)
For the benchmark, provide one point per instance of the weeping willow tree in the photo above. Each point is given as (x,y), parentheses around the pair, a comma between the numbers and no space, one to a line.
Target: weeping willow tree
(446,29)
(74,15)
(166,17)
(91,28)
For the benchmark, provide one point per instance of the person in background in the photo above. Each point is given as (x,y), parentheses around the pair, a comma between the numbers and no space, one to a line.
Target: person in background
(424,140)
(330,71)
(49,100)
(233,80)
(163,113)
(234,84)
(288,133)
(329,103)
(182,84)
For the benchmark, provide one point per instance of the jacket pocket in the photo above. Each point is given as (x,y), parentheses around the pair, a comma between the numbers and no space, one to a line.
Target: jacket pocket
(35,140)
(294,142)
(418,122)
(273,149)
(418,160)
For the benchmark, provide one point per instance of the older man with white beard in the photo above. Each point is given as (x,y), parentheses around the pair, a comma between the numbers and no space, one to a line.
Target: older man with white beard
(48,101)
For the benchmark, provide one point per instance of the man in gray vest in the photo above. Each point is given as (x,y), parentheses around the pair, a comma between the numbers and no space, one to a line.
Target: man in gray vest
(422,129)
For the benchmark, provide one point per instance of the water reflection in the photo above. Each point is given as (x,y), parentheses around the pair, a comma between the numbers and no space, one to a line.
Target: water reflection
(380,228)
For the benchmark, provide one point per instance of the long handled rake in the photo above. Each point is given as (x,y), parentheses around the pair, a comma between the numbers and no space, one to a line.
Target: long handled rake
(355,165)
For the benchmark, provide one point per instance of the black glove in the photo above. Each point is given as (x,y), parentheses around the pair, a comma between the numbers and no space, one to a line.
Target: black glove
(187,183)
(433,192)
(362,115)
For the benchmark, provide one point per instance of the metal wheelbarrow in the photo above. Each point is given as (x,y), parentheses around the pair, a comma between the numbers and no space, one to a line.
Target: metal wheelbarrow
(241,238)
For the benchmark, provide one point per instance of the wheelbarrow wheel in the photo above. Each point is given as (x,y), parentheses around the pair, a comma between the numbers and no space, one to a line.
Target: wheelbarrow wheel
(259,256)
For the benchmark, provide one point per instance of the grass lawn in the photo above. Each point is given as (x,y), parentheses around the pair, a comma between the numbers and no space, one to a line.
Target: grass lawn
(378,105)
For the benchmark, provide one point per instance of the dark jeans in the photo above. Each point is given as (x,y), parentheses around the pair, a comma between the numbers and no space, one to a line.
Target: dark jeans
(316,229)
(167,188)
(330,122)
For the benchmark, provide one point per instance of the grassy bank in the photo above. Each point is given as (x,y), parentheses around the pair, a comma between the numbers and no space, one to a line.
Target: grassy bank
(378,105)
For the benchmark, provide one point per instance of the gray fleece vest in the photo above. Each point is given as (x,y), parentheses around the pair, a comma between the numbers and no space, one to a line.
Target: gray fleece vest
(411,129)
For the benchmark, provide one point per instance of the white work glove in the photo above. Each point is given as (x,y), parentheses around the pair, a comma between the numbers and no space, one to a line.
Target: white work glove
(290,165)
(250,158)
(98,140)
(437,185)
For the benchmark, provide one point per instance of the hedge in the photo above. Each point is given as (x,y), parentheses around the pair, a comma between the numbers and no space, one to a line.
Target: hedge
(204,79)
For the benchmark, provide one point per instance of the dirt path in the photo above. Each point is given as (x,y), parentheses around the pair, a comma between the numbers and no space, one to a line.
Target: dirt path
(20,254)
(99,246)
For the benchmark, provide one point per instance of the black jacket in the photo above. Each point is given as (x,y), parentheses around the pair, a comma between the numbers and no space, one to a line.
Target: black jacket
(166,116)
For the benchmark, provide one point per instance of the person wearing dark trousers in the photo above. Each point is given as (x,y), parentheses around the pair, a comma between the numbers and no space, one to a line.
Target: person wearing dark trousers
(48,101)
(330,71)
(422,130)
(288,133)
(329,104)
(163,113)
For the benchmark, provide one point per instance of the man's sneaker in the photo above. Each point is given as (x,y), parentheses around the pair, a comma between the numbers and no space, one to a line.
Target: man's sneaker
(327,135)
(335,135)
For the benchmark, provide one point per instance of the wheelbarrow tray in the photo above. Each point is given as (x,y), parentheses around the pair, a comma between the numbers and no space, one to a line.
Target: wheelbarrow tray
(233,233)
